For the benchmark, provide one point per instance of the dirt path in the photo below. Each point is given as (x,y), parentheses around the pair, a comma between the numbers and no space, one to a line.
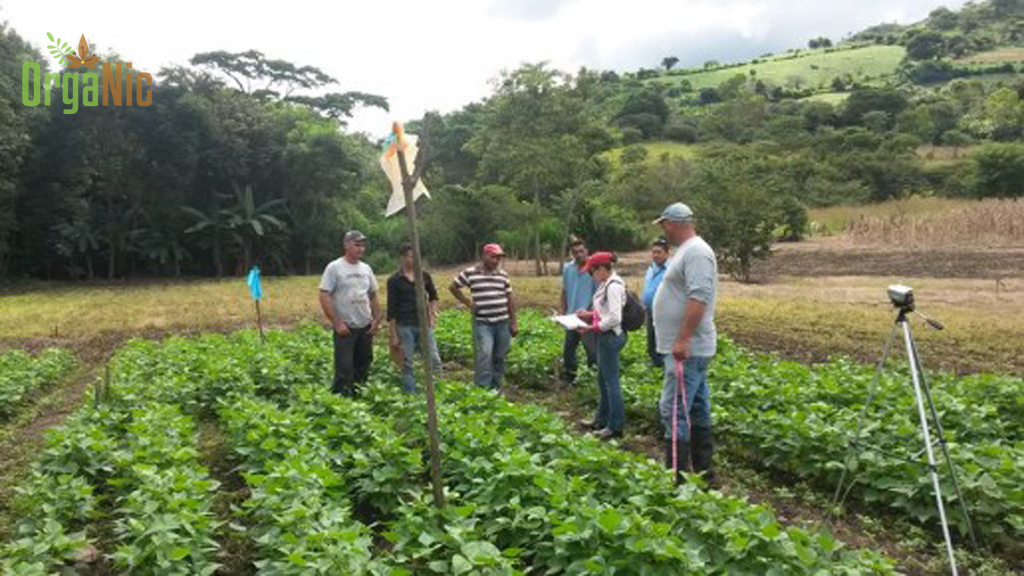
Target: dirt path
(22,440)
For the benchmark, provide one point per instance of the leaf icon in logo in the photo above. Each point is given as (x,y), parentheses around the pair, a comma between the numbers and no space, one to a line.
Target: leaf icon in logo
(82,58)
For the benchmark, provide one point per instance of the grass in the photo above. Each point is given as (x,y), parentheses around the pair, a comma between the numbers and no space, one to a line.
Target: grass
(833,98)
(997,56)
(1002,79)
(813,67)
(655,150)
(805,318)
(932,155)
(836,219)
(986,223)
(68,310)
(929,222)
(812,319)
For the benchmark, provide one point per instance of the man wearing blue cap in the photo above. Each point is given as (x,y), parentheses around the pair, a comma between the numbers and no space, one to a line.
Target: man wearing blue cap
(684,311)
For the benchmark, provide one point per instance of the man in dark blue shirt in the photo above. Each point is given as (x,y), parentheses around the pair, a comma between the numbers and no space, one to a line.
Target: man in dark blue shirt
(655,273)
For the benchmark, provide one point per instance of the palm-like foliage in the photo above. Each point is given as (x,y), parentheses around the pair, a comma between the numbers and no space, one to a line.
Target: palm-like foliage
(157,246)
(243,221)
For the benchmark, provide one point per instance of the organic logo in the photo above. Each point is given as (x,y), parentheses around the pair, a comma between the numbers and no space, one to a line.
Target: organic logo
(118,84)
(83,58)
(60,52)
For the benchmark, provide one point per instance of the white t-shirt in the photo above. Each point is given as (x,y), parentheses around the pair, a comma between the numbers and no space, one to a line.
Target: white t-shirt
(350,286)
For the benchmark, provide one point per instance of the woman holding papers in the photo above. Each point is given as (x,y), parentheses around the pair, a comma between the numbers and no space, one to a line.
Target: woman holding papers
(605,320)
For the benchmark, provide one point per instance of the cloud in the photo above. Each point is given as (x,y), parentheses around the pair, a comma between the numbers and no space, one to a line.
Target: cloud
(525,9)
(725,30)
(440,55)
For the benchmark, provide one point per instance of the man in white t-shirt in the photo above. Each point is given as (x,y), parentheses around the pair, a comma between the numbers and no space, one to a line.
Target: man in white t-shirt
(348,297)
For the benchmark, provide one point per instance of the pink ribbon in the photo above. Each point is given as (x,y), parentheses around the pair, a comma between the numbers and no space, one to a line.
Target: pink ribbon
(680,383)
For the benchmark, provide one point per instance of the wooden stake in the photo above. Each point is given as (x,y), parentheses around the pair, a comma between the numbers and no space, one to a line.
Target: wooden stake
(259,321)
(408,183)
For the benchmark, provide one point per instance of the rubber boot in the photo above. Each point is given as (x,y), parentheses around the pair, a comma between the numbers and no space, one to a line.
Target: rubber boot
(683,457)
(703,448)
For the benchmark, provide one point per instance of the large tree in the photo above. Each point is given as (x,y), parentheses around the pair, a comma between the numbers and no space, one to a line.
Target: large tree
(15,131)
(531,138)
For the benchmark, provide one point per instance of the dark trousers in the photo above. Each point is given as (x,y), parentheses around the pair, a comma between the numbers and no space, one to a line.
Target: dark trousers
(652,343)
(353,355)
(569,360)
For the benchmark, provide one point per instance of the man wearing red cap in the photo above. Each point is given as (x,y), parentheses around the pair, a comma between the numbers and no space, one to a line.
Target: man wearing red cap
(494,314)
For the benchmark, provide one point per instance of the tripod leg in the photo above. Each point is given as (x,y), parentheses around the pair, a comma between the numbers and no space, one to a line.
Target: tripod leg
(941,436)
(915,376)
(860,419)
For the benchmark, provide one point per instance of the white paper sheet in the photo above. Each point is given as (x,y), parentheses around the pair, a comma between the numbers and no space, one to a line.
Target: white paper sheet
(570,321)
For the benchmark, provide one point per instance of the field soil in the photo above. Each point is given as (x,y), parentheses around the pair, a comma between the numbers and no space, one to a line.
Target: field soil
(835,256)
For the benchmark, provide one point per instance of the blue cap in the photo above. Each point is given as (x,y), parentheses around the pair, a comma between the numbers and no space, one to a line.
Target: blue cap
(677,212)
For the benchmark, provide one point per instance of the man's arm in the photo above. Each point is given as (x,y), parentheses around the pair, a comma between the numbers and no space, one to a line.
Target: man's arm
(433,300)
(691,320)
(456,291)
(327,305)
(433,308)
(393,339)
(513,324)
(700,287)
(376,312)
(562,304)
(392,305)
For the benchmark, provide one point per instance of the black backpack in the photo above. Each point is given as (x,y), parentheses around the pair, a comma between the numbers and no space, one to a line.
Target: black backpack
(633,315)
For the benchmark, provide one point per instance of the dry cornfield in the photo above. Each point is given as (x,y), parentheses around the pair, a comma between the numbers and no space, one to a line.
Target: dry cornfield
(986,223)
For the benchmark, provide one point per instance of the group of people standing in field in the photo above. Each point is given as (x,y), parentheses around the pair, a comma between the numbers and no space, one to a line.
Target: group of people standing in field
(678,304)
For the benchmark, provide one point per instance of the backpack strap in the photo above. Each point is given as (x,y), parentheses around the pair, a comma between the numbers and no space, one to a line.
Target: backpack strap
(619,282)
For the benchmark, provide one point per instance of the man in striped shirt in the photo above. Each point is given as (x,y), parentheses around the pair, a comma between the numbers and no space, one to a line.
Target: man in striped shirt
(494,314)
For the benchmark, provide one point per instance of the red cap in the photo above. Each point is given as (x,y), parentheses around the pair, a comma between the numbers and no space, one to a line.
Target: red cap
(597,259)
(493,249)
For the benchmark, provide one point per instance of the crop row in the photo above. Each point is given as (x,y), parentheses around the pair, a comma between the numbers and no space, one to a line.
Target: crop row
(801,420)
(507,510)
(572,504)
(339,486)
(129,477)
(21,375)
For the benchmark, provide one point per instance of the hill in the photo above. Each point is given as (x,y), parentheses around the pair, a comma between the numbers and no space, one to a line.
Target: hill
(817,68)
(982,41)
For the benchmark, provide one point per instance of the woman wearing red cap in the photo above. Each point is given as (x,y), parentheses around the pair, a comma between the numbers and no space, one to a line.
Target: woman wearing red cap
(606,320)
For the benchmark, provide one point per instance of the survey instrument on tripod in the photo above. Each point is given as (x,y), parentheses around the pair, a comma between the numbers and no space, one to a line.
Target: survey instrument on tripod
(902,298)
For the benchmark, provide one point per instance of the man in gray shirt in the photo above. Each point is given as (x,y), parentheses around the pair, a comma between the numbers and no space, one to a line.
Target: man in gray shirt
(684,311)
(348,297)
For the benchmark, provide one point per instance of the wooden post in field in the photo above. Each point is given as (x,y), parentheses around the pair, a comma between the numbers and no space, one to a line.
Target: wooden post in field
(259,322)
(408,184)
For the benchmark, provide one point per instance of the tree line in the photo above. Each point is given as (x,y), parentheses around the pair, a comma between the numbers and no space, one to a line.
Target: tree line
(244,159)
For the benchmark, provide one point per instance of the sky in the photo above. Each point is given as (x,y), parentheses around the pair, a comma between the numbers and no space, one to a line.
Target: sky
(440,55)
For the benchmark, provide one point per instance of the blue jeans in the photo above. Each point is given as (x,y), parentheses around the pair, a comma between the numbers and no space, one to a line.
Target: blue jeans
(698,396)
(610,411)
(409,338)
(491,343)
